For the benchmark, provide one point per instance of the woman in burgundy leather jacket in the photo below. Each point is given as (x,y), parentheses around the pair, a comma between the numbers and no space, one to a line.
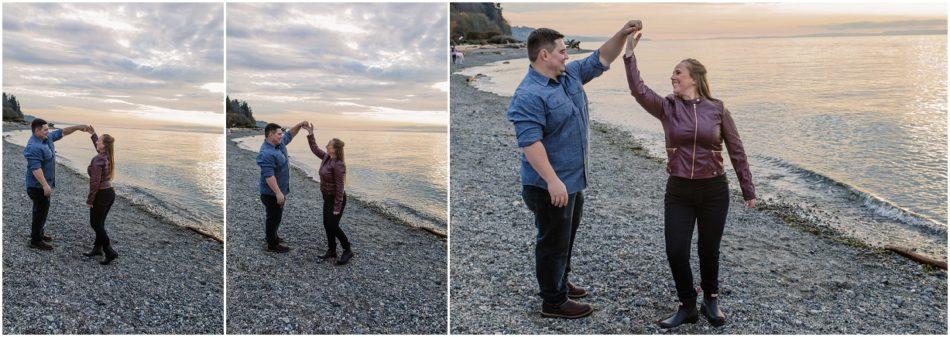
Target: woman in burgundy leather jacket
(101,194)
(332,179)
(697,192)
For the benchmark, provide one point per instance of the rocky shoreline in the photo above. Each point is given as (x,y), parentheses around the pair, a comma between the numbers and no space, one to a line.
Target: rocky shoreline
(396,283)
(167,279)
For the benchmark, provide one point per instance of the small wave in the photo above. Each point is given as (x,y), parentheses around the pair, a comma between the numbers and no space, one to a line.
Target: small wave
(395,211)
(876,204)
(145,200)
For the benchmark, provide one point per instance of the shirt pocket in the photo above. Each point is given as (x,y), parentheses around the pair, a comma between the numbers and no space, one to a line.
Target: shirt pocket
(47,153)
(576,93)
(560,111)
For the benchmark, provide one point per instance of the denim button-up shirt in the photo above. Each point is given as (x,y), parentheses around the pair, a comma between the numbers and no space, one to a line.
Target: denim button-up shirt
(556,113)
(41,154)
(274,162)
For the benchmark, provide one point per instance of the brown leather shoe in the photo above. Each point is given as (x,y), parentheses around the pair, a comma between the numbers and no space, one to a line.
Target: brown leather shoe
(278,248)
(575,292)
(568,309)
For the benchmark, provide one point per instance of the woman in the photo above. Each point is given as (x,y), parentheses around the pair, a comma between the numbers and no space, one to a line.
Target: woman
(332,179)
(101,194)
(695,125)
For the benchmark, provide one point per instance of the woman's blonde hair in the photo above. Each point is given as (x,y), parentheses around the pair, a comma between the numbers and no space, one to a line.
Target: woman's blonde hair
(338,149)
(107,143)
(697,71)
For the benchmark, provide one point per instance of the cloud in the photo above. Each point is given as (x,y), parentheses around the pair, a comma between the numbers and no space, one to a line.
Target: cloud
(216,87)
(287,57)
(141,53)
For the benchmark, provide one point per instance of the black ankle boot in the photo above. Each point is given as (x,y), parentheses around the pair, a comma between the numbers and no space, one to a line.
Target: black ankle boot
(96,251)
(710,310)
(110,255)
(347,255)
(328,255)
(686,313)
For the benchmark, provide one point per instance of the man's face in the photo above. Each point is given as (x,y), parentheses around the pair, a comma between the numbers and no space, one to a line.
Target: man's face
(276,136)
(555,59)
(42,132)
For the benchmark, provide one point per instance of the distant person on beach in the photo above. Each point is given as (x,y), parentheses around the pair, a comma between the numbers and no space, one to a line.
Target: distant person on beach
(101,194)
(549,111)
(457,56)
(332,179)
(697,192)
(275,180)
(40,153)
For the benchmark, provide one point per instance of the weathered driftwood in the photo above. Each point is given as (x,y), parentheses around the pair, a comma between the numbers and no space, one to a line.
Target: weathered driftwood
(917,257)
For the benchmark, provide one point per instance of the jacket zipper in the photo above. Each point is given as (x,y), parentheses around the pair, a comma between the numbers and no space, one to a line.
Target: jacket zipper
(692,169)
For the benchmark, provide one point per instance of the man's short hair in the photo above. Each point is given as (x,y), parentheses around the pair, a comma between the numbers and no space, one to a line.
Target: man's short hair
(37,124)
(270,128)
(541,38)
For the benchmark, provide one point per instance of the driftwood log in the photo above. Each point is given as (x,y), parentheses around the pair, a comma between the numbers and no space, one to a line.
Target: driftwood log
(917,257)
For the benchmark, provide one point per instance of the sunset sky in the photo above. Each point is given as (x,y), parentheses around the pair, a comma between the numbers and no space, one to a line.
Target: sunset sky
(669,21)
(340,65)
(148,65)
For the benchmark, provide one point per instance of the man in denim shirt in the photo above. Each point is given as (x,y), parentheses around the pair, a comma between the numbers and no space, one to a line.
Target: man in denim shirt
(550,115)
(40,154)
(274,183)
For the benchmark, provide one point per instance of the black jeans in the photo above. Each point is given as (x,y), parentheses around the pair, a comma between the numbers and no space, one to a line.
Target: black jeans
(274,212)
(688,203)
(97,217)
(331,223)
(557,227)
(40,211)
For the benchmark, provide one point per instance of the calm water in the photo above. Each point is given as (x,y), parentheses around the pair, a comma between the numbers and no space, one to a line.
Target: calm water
(405,171)
(176,175)
(856,125)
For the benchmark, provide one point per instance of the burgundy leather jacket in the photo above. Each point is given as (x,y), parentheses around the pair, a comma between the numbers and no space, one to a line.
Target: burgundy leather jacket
(695,130)
(98,170)
(332,174)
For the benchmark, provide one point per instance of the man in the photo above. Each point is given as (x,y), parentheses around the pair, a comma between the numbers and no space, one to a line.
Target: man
(40,154)
(275,180)
(549,111)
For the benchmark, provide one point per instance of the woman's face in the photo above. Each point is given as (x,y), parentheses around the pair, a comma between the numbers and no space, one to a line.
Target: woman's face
(100,145)
(330,150)
(681,81)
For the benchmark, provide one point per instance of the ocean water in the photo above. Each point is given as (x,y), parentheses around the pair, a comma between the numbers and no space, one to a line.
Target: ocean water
(850,130)
(405,172)
(177,175)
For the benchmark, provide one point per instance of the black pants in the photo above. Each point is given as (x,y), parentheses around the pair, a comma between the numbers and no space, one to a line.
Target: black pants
(40,211)
(557,227)
(331,223)
(688,203)
(274,212)
(97,217)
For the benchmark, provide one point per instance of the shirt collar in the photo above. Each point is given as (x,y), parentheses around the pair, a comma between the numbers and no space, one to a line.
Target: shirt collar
(268,145)
(540,78)
(34,138)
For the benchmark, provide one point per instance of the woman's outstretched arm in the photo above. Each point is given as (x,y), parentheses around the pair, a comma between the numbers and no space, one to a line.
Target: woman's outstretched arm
(648,99)
(93,136)
(313,142)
